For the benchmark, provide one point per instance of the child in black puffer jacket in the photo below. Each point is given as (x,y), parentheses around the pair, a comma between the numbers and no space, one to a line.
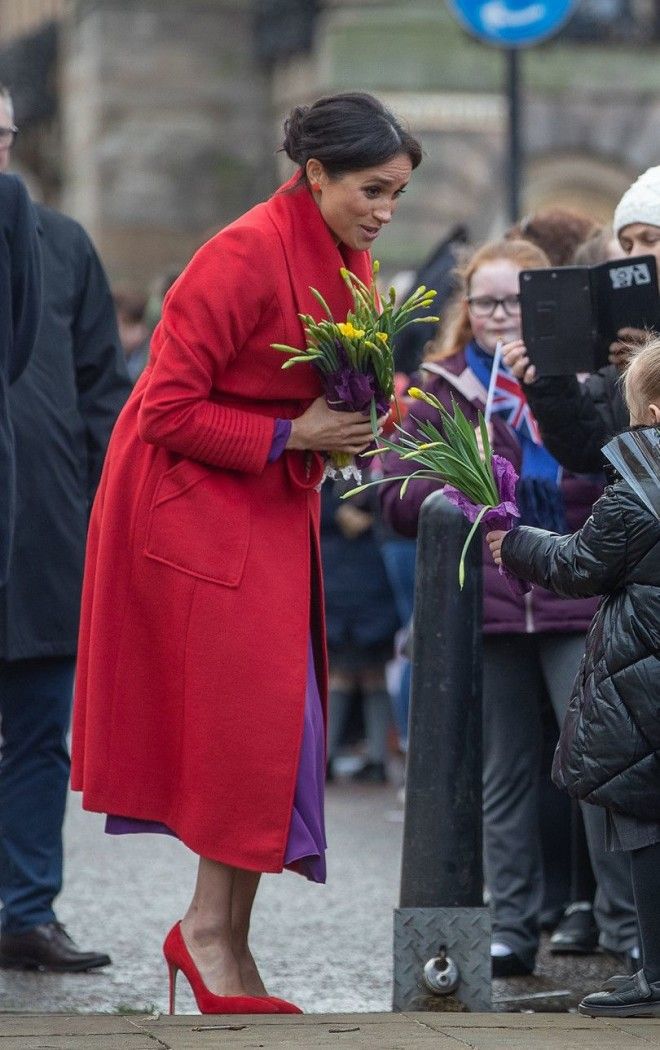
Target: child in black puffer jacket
(609,749)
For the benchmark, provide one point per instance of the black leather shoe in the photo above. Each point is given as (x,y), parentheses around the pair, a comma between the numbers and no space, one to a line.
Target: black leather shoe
(510,965)
(576,933)
(614,982)
(47,947)
(634,997)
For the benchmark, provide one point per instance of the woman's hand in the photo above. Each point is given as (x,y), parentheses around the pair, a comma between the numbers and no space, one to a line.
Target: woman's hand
(321,429)
(494,541)
(515,358)
(624,346)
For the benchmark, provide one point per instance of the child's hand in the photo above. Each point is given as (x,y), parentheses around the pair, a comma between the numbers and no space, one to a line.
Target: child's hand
(515,357)
(494,541)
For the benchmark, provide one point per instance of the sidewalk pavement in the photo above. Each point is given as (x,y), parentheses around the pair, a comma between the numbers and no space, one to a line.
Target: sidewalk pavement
(376,1031)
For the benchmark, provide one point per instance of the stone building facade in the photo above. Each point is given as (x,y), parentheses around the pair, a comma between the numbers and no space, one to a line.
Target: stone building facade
(21,17)
(166,125)
(157,121)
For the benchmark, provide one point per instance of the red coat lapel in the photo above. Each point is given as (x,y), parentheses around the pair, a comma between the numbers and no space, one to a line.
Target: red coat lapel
(312,257)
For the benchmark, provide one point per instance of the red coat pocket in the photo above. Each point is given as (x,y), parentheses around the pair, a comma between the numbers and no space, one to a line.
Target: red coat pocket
(199,523)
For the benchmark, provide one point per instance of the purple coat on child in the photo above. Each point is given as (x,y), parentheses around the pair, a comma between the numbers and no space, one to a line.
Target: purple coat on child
(504,612)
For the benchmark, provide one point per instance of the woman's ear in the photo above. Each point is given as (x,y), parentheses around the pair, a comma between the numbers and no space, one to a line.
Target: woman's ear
(654,412)
(315,172)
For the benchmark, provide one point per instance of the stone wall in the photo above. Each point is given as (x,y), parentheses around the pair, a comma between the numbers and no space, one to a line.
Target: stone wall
(590,115)
(170,124)
(166,126)
(18,17)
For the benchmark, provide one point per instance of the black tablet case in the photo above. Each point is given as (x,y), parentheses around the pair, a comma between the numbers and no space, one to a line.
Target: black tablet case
(571,314)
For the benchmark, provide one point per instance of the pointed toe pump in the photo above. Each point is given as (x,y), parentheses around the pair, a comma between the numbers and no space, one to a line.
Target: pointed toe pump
(283,1007)
(178,958)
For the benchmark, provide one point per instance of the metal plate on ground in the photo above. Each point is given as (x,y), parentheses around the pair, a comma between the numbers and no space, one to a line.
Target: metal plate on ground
(419,935)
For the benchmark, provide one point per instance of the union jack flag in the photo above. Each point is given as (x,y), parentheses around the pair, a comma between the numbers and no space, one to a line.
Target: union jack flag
(509,401)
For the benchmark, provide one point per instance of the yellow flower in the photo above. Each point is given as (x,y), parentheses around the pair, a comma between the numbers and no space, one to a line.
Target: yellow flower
(382,336)
(350,332)
(423,395)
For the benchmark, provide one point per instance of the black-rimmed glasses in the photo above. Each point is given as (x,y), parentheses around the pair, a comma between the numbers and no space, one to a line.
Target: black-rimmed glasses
(7,135)
(486,305)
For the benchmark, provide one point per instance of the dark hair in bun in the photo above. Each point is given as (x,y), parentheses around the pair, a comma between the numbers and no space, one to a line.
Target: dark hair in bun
(346,132)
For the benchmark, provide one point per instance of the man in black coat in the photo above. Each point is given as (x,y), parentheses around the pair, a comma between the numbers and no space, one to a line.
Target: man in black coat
(20,306)
(62,408)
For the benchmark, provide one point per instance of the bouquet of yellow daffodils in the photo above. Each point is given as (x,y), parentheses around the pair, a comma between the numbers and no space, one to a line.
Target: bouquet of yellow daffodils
(355,357)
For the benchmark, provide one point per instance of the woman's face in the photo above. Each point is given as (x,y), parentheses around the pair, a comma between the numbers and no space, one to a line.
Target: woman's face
(640,238)
(356,206)
(497,279)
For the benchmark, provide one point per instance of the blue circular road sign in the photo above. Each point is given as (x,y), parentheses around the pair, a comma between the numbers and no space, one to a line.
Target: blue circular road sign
(513,23)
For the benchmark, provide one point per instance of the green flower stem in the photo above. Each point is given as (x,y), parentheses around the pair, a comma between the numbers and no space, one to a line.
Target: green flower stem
(461,564)
(319,298)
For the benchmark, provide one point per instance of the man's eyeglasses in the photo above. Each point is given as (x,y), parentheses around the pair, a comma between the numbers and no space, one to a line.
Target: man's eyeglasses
(486,305)
(7,135)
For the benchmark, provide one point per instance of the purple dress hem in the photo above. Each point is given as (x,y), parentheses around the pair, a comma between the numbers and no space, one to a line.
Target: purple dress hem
(306,844)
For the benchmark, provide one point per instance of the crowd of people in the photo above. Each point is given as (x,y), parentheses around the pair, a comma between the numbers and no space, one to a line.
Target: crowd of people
(534,644)
(153,435)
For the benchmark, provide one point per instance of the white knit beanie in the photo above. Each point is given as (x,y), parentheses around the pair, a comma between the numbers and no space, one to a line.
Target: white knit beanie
(640,203)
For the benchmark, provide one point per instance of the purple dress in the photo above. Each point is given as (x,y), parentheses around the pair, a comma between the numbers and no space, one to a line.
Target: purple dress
(306,844)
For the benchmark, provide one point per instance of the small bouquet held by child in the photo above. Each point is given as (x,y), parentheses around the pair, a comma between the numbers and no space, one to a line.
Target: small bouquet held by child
(476,480)
(354,357)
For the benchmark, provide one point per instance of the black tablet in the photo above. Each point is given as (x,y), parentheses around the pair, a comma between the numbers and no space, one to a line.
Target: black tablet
(571,314)
(558,324)
(625,295)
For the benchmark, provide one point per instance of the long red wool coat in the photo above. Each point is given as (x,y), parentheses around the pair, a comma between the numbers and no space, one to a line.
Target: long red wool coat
(202,573)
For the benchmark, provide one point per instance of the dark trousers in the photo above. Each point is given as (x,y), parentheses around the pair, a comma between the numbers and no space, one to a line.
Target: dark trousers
(35,709)
(645,866)
(399,558)
(518,669)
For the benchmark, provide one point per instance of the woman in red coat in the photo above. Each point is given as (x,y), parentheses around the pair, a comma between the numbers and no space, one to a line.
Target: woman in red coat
(202,672)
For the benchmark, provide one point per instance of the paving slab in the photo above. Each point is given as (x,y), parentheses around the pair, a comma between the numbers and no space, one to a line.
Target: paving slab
(548,1039)
(441,1019)
(373,1031)
(642,1029)
(128,1041)
(38,1024)
(387,1031)
(161,1021)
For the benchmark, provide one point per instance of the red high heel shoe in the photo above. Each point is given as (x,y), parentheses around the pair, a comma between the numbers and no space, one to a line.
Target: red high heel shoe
(283,1007)
(178,958)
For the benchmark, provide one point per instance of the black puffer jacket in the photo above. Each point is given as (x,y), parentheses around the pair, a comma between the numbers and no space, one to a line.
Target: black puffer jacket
(577,419)
(609,749)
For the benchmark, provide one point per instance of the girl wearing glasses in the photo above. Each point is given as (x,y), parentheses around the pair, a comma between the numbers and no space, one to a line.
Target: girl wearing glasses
(532,643)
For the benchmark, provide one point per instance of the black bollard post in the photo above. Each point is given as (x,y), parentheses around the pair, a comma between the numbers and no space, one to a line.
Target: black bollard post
(441,911)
